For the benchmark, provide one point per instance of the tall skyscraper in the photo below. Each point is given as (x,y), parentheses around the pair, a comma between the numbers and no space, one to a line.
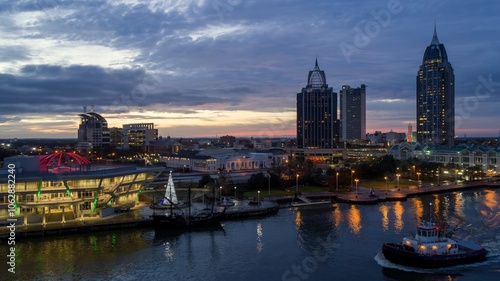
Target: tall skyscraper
(317,124)
(435,96)
(353,113)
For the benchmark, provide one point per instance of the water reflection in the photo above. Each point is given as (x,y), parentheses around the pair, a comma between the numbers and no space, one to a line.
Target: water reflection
(419,209)
(435,216)
(490,199)
(385,216)
(398,212)
(260,244)
(337,215)
(169,251)
(298,220)
(459,204)
(354,219)
(491,214)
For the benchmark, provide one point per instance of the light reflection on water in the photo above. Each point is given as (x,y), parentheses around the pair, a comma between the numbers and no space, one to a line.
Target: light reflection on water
(293,238)
(398,212)
(385,216)
(354,219)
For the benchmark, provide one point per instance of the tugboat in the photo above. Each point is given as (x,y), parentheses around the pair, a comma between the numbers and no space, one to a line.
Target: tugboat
(431,250)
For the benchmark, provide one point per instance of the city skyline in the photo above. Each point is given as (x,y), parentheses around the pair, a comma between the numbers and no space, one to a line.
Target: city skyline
(206,68)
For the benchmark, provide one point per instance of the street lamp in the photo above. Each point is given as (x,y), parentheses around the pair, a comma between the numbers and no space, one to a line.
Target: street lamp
(438,177)
(235,192)
(356,180)
(352,173)
(386,188)
(269,185)
(258,197)
(413,169)
(337,182)
(418,179)
(297,185)
(220,194)
(398,175)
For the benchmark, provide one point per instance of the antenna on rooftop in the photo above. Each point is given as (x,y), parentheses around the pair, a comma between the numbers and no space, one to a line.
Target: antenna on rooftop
(85,108)
(92,107)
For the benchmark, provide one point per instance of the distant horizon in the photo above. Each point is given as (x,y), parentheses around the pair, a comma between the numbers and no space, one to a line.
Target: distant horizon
(214,137)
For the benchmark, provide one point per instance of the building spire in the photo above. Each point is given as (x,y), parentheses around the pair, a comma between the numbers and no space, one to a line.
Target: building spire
(316,67)
(435,40)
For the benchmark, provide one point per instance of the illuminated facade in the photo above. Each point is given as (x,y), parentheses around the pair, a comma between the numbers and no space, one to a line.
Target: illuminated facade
(435,97)
(488,159)
(93,131)
(43,197)
(353,113)
(139,135)
(317,124)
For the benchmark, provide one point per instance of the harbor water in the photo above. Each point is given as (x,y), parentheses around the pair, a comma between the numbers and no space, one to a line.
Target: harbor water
(322,242)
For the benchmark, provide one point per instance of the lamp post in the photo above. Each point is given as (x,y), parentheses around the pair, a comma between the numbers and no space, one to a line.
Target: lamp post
(352,174)
(438,177)
(337,182)
(220,193)
(398,175)
(413,170)
(356,180)
(418,179)
(386,185)
(269,185)
(258,197)
(235,192)
(297,185)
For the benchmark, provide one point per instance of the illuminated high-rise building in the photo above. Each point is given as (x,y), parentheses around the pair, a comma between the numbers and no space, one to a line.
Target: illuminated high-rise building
(435,96)
(353,113)
(317,124)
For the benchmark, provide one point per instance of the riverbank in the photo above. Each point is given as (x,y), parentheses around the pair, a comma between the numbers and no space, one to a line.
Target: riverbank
(137,217)
(364,195)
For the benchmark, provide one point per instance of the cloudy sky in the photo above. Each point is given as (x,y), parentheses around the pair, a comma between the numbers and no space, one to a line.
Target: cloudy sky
(216,67)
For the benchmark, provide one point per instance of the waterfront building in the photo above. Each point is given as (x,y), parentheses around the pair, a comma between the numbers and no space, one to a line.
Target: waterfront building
(435,96)
(353,113)
(317,112)
(320,156)
(93,131)
(139,134)
(463,156)
(212,160)
(49,196)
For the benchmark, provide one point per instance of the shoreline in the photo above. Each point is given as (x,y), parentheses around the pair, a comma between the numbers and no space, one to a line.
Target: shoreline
(242,210)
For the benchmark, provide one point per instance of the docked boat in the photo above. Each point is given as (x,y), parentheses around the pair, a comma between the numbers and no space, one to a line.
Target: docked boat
(173,216)
(431,250)
(174,220)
